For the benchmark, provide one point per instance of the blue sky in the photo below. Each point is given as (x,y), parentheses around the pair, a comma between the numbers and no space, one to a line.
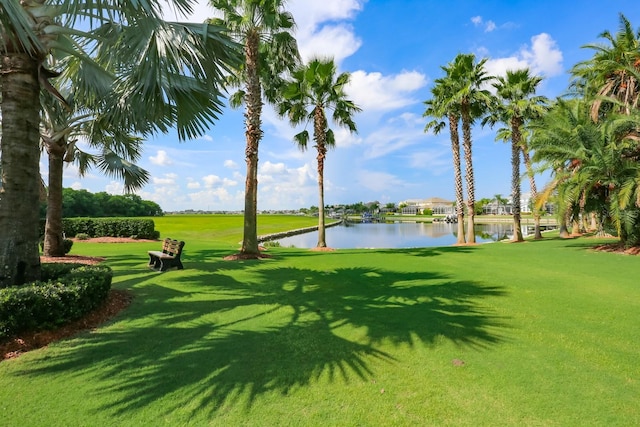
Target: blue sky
(394,50)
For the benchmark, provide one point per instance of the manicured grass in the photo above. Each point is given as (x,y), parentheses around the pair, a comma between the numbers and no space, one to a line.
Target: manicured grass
(547,332)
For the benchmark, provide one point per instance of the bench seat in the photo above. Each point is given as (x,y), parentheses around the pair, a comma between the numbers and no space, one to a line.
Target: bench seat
(168,257)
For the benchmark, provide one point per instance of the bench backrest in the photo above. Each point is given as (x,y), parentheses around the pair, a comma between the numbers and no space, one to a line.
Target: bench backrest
(172,247)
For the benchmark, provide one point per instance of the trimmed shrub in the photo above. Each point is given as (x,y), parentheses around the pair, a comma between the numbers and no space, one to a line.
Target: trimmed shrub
(82,236)
(111,227)
(67,244)
(68,292)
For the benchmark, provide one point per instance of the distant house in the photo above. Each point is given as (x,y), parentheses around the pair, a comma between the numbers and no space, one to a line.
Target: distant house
(437,205)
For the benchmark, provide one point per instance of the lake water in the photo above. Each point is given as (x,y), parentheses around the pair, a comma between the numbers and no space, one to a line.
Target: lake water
(397,235)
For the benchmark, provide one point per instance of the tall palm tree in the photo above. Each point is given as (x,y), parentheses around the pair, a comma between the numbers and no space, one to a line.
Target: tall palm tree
(264,29)
(516,104)
(313,90)
(466,80)
(438,107)
(169,74)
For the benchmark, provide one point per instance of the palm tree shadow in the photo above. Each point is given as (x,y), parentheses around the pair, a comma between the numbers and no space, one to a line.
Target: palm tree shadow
(210,339)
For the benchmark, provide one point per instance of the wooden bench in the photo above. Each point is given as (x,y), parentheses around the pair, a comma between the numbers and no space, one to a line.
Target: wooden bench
(168,257)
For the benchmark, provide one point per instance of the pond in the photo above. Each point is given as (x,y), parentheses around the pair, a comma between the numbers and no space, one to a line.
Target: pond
(399,235)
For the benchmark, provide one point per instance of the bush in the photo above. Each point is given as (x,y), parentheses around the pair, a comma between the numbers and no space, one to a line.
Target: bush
(111,227)
(67,292)
(82,236)
(67,244)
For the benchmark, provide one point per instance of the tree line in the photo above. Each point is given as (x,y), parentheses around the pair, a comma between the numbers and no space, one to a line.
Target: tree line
(589,138)
(82,203)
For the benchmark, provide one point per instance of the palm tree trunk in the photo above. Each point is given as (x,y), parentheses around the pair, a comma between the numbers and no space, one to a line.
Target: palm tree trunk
(564,218)
(322,243)
(457,172)
(515,179)
(53,238)
(468,160)
(319,132)
(253,133)
(534,194)
(19,196)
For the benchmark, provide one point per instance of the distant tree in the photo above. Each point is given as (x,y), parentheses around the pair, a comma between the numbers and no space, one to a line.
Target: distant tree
(439,106)
(313,90)
(516,105)
(465,91)
(82,203)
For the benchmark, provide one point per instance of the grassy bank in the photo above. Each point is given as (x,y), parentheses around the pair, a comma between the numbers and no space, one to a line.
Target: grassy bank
(538,333)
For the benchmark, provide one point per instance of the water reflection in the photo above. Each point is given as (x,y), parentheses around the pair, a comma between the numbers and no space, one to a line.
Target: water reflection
(399,235)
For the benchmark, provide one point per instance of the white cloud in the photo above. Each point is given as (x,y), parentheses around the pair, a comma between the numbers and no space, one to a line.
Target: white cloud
(378,181)
(273,168)
(230,164)
(193,185)
(489,26)
(376,92)
(337,42)
(161,158)
(207,138)
(168,179)
(76,185)
(211,180)
(543,58)
(319,33)
(399,133)
(114,187)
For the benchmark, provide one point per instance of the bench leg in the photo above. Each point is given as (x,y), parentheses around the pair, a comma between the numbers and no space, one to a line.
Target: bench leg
(154,262)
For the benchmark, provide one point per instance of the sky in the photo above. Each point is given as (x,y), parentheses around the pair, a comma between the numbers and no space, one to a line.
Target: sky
(394,50)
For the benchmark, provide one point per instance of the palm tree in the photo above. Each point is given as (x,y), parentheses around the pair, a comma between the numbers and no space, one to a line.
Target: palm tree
(591,170)
(528,165)
(466,79)
(313,89)
(500,201)
(612,76)
(516,104)
(265,31)
(439,107)
(169,74)
(61,130)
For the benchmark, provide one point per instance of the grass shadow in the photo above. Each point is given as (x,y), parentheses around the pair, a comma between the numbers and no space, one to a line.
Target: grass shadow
(225,333)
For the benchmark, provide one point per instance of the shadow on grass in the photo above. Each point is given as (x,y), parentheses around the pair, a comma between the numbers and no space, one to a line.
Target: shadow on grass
(225,333)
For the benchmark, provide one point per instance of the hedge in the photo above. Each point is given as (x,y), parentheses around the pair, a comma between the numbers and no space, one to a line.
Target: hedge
(111,227)
(67,292)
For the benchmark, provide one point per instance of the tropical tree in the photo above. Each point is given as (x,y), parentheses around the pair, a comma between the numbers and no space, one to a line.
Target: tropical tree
(611,78)
(439,107)
(264,29)
(516,104)
(61,129)
(466,80)
(169,74)
(592,171)
(313,90)
(500,201)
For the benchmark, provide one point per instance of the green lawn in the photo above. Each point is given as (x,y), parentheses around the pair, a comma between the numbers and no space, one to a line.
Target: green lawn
(547,332)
